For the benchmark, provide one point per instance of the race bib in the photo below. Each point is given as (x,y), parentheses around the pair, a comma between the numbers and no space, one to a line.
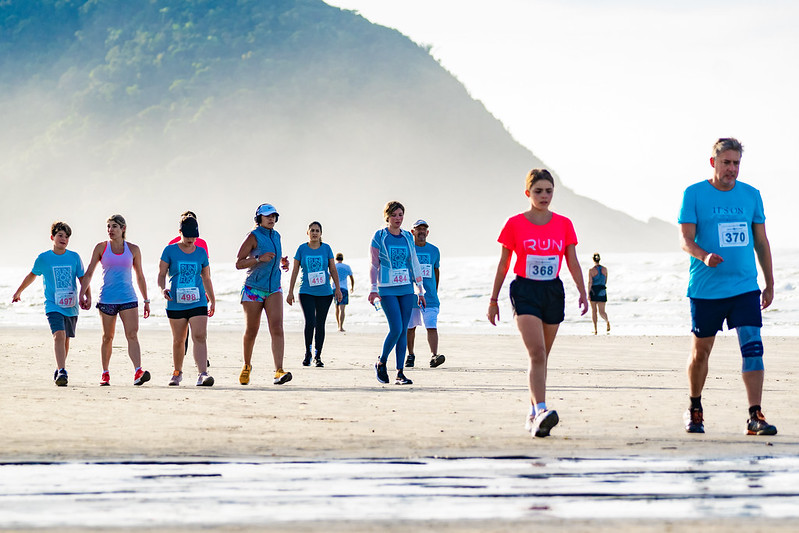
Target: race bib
(427,270)
(733,234)
(398,276)
(316,278)
(65,298)
(188,295)
(542,268)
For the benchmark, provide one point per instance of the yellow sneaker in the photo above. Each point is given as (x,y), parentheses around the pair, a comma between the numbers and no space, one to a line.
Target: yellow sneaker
(244,377)
(282,377)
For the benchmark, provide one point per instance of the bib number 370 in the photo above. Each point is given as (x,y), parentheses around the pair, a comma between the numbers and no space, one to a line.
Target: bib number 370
(733,234)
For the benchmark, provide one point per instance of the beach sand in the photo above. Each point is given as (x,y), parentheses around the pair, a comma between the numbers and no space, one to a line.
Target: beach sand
(616,397)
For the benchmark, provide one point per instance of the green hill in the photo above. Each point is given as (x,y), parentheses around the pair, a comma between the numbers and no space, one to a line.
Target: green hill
(151,107)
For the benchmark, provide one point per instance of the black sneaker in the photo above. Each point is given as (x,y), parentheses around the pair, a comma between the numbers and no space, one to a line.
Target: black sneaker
(60,377)
(382,372)
(759,426)
(318,362)
(402,380)
(410,360)
(694,421)
(437,360)
(307,360)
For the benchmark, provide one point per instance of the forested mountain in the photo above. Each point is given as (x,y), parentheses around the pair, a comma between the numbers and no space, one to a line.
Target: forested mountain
(151,107)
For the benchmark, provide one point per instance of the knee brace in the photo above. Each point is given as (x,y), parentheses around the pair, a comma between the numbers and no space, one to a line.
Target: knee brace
(751,348)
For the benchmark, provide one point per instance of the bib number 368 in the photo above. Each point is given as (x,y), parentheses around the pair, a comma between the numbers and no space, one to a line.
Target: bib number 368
(542,268)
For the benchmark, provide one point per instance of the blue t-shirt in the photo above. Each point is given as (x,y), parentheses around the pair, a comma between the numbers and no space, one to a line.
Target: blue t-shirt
(723,226)
(398,263)
(315,271)
(344,271)
(185,282)
(60,274)
(429,259)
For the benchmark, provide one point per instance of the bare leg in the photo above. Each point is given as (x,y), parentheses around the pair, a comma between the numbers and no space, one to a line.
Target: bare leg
(411,339)
(698,364)
(109,323)
(603,314)
(753,381)
(593,315)
(274,316)
(252,317)
(538,338)
(179,327)
(199,335)
(130,322)
(342,312)
(432,340)
(61,348)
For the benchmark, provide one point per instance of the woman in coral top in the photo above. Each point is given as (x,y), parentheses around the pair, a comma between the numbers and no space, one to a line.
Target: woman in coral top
(540,239)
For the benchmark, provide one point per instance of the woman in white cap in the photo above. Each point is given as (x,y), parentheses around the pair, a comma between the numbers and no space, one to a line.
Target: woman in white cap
(190,299)
(261,255)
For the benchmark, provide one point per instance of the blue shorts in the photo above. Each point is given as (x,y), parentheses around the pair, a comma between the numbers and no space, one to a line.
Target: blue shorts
(708,316)
(345,297)
(544,299)
(59,322)
(114,309)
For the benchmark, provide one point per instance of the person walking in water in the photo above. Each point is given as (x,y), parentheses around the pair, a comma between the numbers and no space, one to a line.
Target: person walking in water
(723,227)
(597,292)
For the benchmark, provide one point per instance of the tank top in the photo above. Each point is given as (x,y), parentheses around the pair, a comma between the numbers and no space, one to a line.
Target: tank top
(265,276)
(117,285)
(600,278)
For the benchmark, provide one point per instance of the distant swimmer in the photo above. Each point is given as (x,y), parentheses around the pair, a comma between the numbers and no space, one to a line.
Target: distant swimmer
(190,299)
(722,227)
(202,244)
(540,239)
(597,291)
(119,258)
(315,258)
(61,269)
(430,261)
(394,272)
(261,254)
(344,272)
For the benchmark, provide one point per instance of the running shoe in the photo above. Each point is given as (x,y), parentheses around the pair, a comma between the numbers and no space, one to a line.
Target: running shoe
(382,372)
(759,426)
(177,377)
(244,377)
(318,362)
(105,379)
(694,421)
(60,377)
(437,360)
(141,377)
(307,360)
(410,360)
(402,380)
(541,424)
(282,377)
(204,380)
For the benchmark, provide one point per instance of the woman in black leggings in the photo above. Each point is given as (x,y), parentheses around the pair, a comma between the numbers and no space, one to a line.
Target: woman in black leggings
(318,269)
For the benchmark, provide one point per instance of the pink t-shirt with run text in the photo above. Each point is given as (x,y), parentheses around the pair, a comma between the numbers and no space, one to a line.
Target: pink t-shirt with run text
(539,249)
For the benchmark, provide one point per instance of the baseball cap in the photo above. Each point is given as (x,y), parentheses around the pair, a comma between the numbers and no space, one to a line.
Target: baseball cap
(420,222)
(266,210)
(189,228)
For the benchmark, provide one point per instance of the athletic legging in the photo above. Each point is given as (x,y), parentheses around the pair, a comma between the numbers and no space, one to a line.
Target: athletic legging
(315,310)
(398,312)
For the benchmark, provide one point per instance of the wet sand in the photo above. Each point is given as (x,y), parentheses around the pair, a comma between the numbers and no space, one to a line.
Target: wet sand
(616,397)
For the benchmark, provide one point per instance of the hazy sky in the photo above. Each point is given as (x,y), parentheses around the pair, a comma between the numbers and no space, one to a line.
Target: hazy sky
(624,98)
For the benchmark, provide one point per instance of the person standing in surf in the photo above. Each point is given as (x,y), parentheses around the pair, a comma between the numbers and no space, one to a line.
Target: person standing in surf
(117,296)
(597,291)
(540,239)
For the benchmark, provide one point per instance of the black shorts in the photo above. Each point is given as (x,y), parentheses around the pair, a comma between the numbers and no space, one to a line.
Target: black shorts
(187,313)
(598,293)
(544,299)
(708,316)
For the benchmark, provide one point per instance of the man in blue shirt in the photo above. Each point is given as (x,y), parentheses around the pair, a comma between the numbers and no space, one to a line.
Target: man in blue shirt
(722,225)
(429,259)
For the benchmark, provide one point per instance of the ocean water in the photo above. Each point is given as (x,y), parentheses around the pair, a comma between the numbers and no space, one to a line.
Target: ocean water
(646,297)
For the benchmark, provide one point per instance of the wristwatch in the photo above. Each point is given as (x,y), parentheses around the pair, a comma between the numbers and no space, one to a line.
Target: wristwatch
(256,259)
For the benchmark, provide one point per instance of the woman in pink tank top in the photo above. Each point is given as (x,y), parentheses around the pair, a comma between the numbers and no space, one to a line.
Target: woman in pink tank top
(119,259)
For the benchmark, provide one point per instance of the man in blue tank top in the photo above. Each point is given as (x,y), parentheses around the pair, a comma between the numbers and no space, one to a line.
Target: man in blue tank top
(722,224)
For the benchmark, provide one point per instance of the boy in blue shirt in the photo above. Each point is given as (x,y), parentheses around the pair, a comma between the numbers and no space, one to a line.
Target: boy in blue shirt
(60,268)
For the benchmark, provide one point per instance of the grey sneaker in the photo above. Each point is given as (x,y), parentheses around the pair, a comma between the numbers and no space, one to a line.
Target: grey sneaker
(177,377)
(204,380)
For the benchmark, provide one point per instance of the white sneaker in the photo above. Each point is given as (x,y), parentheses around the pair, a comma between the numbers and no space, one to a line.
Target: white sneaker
(540,424)
(204,380)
